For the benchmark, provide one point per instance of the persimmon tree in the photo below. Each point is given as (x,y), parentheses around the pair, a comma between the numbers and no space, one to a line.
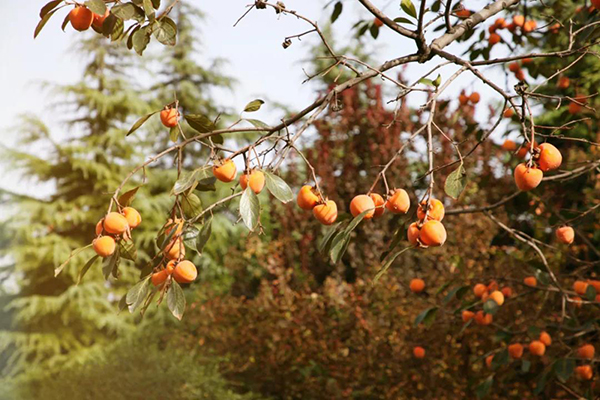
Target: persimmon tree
(543,100)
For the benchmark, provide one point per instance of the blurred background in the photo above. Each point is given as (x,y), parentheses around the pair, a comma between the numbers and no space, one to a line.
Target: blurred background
(269,317)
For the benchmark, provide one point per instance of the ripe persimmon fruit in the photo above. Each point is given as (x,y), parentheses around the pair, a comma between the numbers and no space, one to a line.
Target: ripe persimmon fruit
(508,144)
(474,98)
(518,20)
(185,272)
(225,170)
(362,203)
(326,213)
(398,202)
(529,26)
(586,351)
(488,360)
(169,117)
(418,352)
(436,210)
(104,246)
(432,233)
(81,18)
(580,287)
(530,281)
(584,372)
(479,289)
(515,350)
(527,178)
(256,180)
(565,234)
(417,285)
(115,223)
(100,227)
(377,22)
(482,318)
(494,38)
(545,338)
(99,19)
(508,113)
(175,249)
(463,99)
(413,233)
(549,157)
(379,204)
(133,217)
(467,315)
(563,82)
(498,297)
(537,348)
(507,292)
(307,198)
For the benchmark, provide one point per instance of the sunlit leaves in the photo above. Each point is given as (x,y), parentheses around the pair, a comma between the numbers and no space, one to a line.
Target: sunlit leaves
(126,198)
(137,294)
(140,39)
(86,268)
(96,6)
(278,187)
(139,123)
(43,22)
(456,182)
(250,208)
(165,31)
(176,300)
(254,105)
(203,236)
(59,269)
(409,8)
(200,122)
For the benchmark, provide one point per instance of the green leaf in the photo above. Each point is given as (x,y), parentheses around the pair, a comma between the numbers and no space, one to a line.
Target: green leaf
(148,8)
(564,368)
(457,291)
(386,265)
(204,235)
(490,307)
(278,187)
(128,250)
(174,134)
(140,122)
(258,124)
(185,182)
(374,31)
(43,21)
(339,245)
(250,208)
(455,182)
(540,383)
(426,317)
(126,198)
(85,268)
(123,303)
(207,184)
(325,244)
(525,366)
(254,105)
(156,4)
(402,20)
(190,234)
(127,11)
(176,300)
(96,6)
(484,387)
(438,81)
(165,31)
(409,8)
(59,269)
(200,122)
(337,10)
(49,7)
(140,40)
(191,205)
(137,294)
(590,293)
(111,264)
(65,22)
(501,358)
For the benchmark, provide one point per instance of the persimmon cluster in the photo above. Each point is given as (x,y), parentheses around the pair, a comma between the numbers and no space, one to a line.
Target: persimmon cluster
(82,18)
(114,227)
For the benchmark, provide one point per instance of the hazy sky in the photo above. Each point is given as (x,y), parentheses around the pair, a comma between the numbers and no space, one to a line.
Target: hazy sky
(253,50)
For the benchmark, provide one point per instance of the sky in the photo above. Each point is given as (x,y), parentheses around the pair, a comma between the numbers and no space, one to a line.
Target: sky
(255,58)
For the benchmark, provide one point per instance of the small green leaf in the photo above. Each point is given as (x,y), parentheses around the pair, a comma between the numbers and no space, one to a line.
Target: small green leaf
(200,122)
(174,134)
(564,368)
(126,198)
(409,8)
(250,208)
(540,383)
(176,300)
(337,10)
(165,31)
(278,187)
(96,6)
(140,122)
(254,105)
(484,387)
(490,307)
(128,250)
(388,262)
(43,21)
(189,235)
(590,293)
(148,8)
(457,291)
(185,182)
(127,11)
(402,20)
(500,359)
(258,124)
(86,268)
(140,40)
(49,7)
(65,22)
(525,366)
(203,236)
(136,295)
(111,264)
(339,245)
(325,244)
(191,205)
(438,81)
(426,81)
(426,317)
(374,31)
(455,182)
(59,269)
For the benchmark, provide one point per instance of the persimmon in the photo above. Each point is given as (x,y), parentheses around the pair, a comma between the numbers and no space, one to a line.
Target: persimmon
(133,217)
(488,360)
(170,266)
(507,292)
(500,23)
(378,23)
(508,144)
(418,352)
(492,286)
(529,26)
(256,180)
(379,204)
(482,318)
(464,13)
(514,67)
(586,351)
(307,198)
(554,28)
(508,113)
(545,338)
(494,39)
(512,27)
(176,224)
(530,281)
(577,302)
(326,213)
(104,246)
(362,203)
(565,234)
(413,233)
(169,117)
(100,227)
(81,18)
(537,348)
(158,278)
(549,157)
(520,75)
(580,287)
(584,372)
(185,272)
(527,60)
(563,82)
(225,171)
(99,19)
(518,20)
(474,98)
(479,289)
(436,210)
(498,297)
(527,178)
(175,249)
(492,29)
(467,315)
(574,108)
(463,99)
(433,233)
(595,284)
(515,350)
(417,285)
(115,223)
(398,202)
